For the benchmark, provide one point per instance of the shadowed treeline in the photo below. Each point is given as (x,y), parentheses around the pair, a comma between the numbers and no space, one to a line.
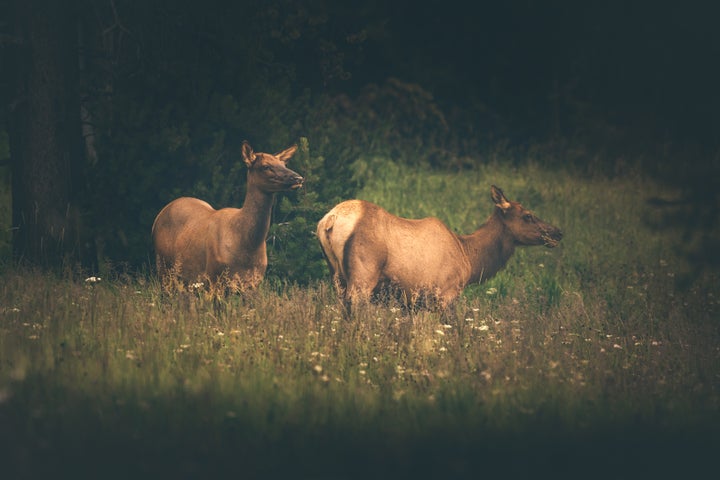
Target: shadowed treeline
(170,89)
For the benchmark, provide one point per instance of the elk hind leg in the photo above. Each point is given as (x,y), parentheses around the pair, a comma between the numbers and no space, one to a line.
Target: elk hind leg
(360,287)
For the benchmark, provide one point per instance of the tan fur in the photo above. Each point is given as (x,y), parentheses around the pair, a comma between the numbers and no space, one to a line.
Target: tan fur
(196,243)
(368,248)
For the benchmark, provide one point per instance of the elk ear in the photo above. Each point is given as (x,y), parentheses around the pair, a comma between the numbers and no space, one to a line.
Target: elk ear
(499,198)
(248,154)
(285,155)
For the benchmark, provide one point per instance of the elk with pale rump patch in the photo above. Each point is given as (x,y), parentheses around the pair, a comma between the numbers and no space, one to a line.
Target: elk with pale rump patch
(368,250)
(196,243)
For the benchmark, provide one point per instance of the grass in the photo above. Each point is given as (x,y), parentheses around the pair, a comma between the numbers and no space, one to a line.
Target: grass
(584,361)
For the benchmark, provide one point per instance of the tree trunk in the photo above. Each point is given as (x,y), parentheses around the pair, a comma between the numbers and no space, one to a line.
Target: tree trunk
(45,134)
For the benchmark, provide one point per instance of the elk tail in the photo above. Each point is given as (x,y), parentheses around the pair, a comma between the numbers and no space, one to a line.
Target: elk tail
(325,236)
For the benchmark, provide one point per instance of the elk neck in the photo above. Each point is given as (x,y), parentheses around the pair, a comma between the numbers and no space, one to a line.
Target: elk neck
(488,248)
(253,219)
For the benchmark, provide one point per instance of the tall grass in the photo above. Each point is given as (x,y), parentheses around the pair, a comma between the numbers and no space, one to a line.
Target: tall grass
(584,361)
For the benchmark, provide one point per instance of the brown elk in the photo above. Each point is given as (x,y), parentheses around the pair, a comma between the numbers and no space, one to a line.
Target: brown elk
(368,250)
(196,243)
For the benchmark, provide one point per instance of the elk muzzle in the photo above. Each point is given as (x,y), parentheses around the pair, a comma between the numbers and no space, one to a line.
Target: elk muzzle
(551,236)
(297,182)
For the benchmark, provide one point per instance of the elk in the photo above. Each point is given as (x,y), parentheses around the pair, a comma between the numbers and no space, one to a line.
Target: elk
(196,243)
(369,250)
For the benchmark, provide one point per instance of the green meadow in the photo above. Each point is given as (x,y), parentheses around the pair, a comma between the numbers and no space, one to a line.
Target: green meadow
(599,358)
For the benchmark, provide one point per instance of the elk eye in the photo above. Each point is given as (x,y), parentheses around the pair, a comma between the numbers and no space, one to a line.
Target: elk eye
(265,168)
(528,217)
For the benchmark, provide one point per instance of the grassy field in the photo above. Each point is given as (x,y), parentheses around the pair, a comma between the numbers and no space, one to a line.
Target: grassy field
(589,360)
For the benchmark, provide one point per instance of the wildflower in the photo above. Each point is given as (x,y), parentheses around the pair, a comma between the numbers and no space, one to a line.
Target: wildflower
(196,286)
(491,291)
(318,368)
(483,328)
(469,319)
(443,349)
(663,263)
(362,372)
(446,326)
(92,279)
(617,347)
(439,332)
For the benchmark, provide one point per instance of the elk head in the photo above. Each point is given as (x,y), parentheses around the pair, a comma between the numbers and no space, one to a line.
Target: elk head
(268,172)
(527,229)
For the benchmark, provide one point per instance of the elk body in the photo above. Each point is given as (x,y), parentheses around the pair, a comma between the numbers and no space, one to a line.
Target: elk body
(368,249)
(196,243)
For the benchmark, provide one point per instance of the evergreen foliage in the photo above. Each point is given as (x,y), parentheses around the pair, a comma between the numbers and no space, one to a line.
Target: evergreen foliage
(170,89)
(164,131)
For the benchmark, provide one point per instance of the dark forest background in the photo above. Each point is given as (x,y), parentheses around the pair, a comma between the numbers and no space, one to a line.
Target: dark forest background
(112,108)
